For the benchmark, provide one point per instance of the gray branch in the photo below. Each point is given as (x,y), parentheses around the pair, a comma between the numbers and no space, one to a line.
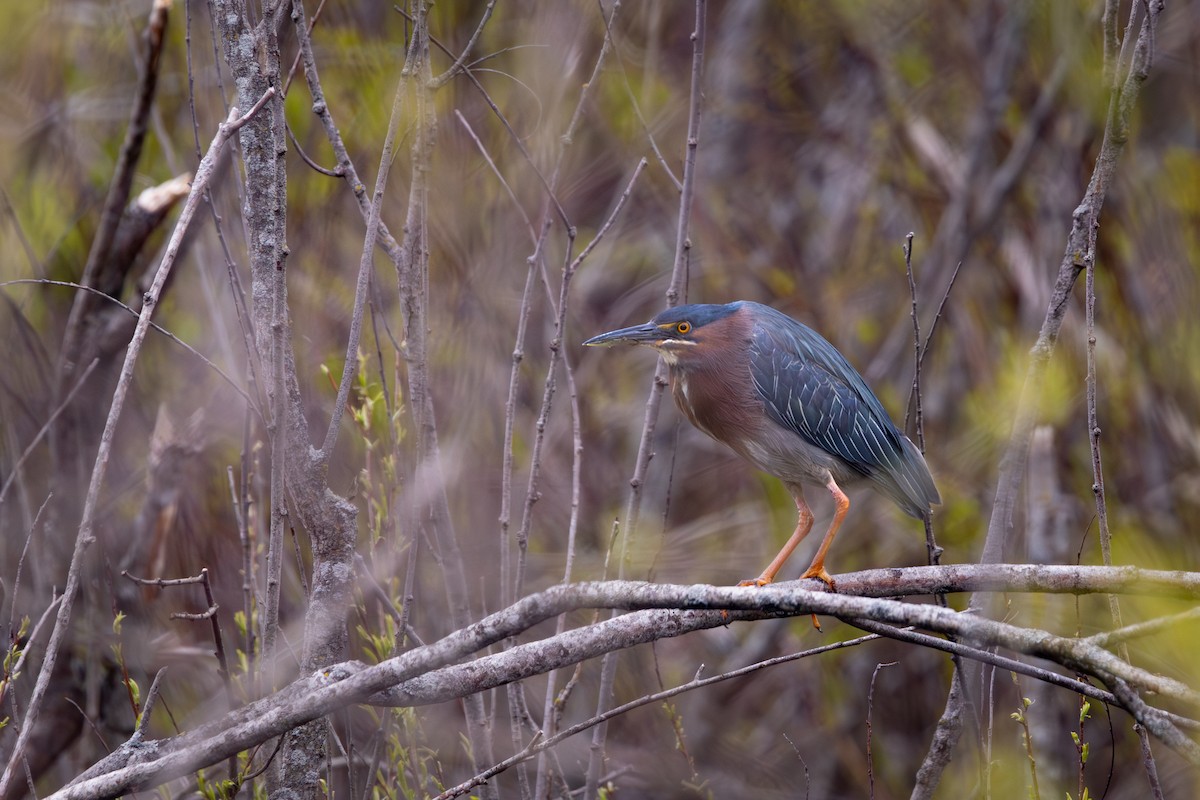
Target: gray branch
(659,612)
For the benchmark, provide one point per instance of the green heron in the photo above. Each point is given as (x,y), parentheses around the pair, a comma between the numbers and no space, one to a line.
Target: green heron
(788,402)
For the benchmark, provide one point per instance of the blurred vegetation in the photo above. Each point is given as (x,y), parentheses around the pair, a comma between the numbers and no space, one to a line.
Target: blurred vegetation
(830,131)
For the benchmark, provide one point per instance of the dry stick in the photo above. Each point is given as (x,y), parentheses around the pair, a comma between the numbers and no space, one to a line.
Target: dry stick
(248,534)
(244,540)
(910,636)
(316,695)
(1157,724)
(384,237)
(19,666)
(521,661)
(119,188)
(516,698)
(413,279)
(550,385)
(633,103)
(253,56)
(938,316)
(915,391)
(989,203)
(218,642)
(933,551)
(518,355)
(547,184)
(1093,423)
(298,17)
(321,109)
(533,236)
(350,367)
(675,290)
(1140,629)
(1079,253)
(509,586)
(86,534)
(253,358)
(540,746)
(955,229)
(870,701)
(535,262)
(550,719)
(35,263)
(458,65)
(336,172)
(13,634)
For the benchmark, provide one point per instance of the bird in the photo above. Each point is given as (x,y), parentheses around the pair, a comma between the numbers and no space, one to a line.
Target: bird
(784,399)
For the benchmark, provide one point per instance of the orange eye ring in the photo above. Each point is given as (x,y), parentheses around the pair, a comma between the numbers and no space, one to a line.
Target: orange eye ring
(684,327)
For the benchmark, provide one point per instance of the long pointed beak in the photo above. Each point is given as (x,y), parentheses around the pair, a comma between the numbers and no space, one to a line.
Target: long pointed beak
(647,333)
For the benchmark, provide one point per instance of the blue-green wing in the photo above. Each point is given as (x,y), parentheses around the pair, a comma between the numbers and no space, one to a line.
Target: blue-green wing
(809,388)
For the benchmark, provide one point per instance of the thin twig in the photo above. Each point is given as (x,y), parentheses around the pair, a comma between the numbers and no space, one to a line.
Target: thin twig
(350,367)
(536,746)
(870,703)
(1147,628)
(676,290)
(550,385)
(148,707)
(86,533)
(533,237)
(19,666)
(1093,423)
(336,172)
(412,277)
(637,110)
(12,632)
(321,108)
(457,66)
(153,325)
(120,186)
(547,183)
(915,393)
(15,469)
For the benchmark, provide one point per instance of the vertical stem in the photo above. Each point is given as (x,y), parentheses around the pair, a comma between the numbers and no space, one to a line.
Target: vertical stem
(86,533)
(1078,255)
(676,290)
(413,278)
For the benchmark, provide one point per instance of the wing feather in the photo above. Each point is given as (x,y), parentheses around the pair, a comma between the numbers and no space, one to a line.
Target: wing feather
(809,388)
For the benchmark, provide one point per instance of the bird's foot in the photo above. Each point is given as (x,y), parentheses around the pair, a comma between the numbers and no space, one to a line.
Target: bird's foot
(820,574)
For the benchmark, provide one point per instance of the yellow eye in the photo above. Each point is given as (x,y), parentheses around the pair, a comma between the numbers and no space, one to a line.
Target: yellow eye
(684,327)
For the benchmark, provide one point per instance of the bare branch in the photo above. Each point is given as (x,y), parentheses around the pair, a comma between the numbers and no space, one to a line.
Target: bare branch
(457,66)
(656,614)
(122,181)
(86,535)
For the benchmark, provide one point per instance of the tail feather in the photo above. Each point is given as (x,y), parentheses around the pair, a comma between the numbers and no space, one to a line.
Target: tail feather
(908,482)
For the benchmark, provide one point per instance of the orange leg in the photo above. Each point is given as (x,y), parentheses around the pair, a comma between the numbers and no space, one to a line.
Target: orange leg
(817,568)
(804,523)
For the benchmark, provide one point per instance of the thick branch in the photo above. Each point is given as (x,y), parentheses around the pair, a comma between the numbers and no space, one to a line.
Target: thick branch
(658,616)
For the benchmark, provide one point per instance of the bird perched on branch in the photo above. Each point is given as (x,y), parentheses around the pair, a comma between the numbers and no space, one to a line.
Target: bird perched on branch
(788,402)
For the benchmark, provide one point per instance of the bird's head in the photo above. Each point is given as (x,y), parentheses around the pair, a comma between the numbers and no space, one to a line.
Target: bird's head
(682,335)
